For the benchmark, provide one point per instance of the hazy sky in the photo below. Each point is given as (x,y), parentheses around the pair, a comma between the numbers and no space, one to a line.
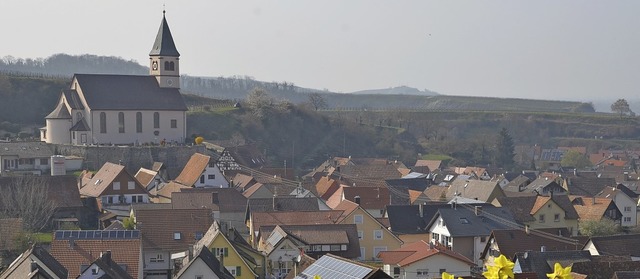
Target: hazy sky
(584,50)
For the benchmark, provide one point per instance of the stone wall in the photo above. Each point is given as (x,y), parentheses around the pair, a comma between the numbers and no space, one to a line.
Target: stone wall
(132,157)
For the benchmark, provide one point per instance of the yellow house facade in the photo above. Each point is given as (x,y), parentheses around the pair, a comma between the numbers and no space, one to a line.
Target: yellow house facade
(250,266)
(373,236)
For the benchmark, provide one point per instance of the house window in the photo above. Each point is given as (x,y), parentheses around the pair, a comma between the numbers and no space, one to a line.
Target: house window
(627,209)
(556,217)
(541,218)
(335,247)
(211,176)
(199,235)
(424,272)
(116,185)
(156,120)
(199,277)
(360,234)
(140,198)
(627,219)
(94,271)
(73,135)
(202,178)
(357,219)
(121,122)
(442,270)
(131,185)
(157,259)
(396,271)
(44,161)
(174,123)
(109,199)
(177,236)
(221,251)
(362,253)
(103,123)
(377,234)
(435,237)
(138,122)
(83,138)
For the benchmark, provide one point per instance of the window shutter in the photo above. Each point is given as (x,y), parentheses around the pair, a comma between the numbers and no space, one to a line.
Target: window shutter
(238,271)
(226,252)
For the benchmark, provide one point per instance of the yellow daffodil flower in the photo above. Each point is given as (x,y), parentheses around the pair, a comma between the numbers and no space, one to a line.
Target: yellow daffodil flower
(502,269)
(449,276)
(560,272)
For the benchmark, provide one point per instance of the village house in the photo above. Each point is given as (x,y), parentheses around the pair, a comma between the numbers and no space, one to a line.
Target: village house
(625,200)
(78,250)
(167,232)
(424,260)
(201,171)
(542,212)
(227,205)
(332,266)
(25,158)
(466,228)
(113,184)
(374,237)
(596,209)
(238,257)
(91,110)
(36,263)
(203,264)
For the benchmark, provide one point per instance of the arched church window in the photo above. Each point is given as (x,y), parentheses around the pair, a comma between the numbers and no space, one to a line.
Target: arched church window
(121,122)
(139,122)
(79,115)
(103,123)
(156,120)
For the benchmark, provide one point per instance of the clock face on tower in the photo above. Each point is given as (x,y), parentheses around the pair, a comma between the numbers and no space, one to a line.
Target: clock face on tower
(154,65)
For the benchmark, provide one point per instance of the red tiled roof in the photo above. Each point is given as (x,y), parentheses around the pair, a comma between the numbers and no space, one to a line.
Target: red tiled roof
(326,187)
(591,208)
(370,197)
(159,225)
(274,218)
(416,251)
(145,176)
(193,169)
(102,179)
(85,251)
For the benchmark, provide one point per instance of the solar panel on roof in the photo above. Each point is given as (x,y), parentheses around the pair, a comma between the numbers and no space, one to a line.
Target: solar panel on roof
(96,234)
(328,267)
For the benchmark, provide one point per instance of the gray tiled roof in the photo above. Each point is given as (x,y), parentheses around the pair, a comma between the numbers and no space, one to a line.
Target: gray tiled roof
(164,45)
(81,126)
(60,112)
(128,92)
(26,149)
(462,221)
(73,100)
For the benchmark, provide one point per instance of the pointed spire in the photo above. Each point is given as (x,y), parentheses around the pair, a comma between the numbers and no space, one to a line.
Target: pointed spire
(164,44)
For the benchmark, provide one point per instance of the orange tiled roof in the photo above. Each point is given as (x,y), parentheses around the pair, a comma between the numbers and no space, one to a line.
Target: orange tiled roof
(416,251)
(193,169)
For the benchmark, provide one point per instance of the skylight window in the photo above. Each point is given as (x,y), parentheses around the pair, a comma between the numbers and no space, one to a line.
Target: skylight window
(464,221)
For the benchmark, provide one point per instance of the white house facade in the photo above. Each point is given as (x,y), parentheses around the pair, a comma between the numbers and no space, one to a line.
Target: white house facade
(123,109)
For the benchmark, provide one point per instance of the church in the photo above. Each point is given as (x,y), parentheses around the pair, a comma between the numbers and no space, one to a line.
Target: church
(123,109)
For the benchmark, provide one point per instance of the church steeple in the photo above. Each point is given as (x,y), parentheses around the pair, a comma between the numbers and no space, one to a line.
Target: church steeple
(164,57)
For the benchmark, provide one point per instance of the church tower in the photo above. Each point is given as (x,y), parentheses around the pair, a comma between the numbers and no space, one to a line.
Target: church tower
(165,58)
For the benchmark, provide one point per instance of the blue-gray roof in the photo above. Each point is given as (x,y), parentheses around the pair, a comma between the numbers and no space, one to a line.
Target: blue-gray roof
(128,92)
(461,220)
(163,45)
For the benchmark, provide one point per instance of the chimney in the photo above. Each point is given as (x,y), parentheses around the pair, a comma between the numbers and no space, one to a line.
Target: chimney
(106,256)
(357,199)
(190,252)
(421,210)
(526,229)
(478,210)
(593,200)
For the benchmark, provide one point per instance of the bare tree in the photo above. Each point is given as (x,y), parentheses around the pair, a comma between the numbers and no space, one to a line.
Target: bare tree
(621,106)
(26,197)
(317,101)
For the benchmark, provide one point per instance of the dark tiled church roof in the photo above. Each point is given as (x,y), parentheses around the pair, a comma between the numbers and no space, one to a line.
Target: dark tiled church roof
(60,112)
(126,92)
(164,45)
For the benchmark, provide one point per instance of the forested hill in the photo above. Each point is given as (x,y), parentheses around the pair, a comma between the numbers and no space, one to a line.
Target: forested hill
(238,87)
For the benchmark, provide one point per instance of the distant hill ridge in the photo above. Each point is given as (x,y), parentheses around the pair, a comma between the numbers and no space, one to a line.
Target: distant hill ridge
(238,87)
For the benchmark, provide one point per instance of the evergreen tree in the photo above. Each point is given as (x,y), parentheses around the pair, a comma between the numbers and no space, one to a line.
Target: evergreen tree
(505,150)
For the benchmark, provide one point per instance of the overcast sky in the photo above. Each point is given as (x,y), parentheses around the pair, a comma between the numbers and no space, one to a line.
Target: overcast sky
(570,50)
